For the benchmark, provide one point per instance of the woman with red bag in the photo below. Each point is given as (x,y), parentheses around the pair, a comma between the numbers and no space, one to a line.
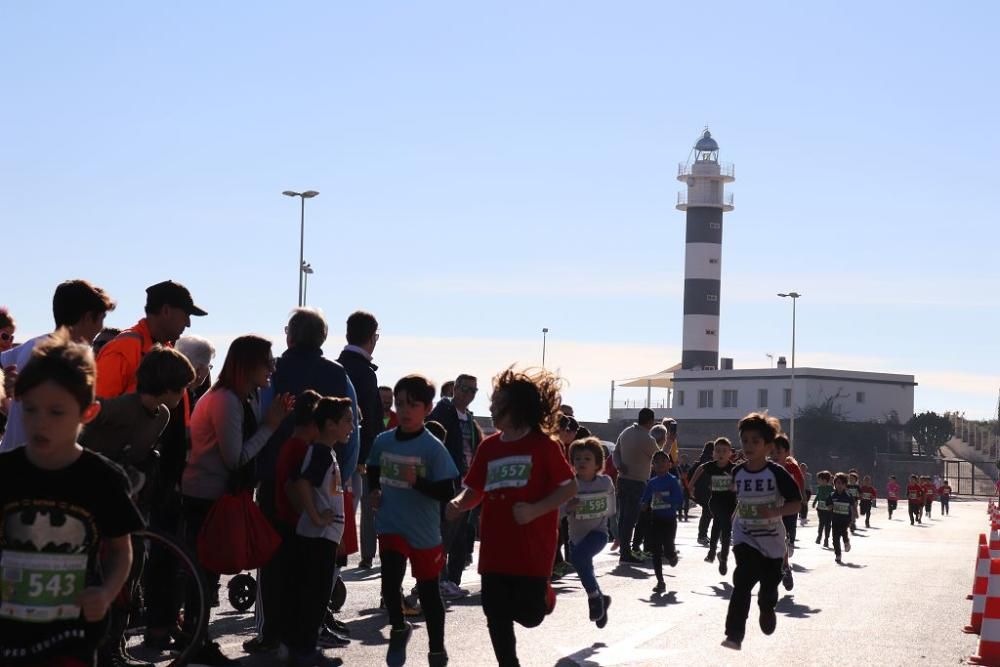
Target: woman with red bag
(226,435)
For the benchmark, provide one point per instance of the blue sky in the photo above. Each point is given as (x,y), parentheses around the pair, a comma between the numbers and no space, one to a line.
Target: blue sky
(488,169)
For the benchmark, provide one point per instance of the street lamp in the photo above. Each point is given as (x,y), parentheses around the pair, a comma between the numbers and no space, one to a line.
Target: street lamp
(307,270)
(770,360)
(545,333)
(794,296)
(308,194)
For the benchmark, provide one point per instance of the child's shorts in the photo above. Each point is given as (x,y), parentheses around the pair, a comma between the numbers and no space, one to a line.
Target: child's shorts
(424,563)
(892,504)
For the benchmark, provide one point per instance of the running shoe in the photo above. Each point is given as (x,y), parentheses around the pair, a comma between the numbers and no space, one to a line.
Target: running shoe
(710,558)
(330,639)
(603,620)
(734,644)
(723,566)
(595,606)
(439,659)
(786,579)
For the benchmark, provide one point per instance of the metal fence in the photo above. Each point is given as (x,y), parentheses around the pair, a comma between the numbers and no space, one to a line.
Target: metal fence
(968,478)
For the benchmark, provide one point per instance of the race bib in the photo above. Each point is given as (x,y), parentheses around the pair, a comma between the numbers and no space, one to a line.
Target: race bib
(914,495)
(853,493)
(40,588)
(866,496)
(749,511)
(592,506)
(722,483)
(659,501)
(841,508)
(508,473)
(394,466)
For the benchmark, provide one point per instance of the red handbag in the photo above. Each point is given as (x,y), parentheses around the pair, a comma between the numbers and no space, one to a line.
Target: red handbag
(236,536)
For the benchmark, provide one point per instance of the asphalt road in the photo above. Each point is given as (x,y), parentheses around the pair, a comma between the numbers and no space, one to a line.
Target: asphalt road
(899,599)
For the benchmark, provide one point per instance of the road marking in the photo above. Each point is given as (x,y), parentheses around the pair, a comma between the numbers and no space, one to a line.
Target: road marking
(622,653)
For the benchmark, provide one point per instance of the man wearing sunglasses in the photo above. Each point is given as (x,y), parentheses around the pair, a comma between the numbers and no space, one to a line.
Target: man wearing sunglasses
(463,438)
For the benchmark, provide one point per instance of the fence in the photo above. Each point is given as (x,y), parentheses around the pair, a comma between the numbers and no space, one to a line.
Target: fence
(968,479)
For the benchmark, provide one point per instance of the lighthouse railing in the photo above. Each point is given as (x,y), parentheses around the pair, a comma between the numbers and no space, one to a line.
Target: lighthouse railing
(726,169)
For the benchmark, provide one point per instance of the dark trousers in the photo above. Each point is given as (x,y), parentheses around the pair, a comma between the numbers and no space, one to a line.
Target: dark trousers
(367,528)
(640,534)
(722,529)
(272,585)
(629,495)
(866,512)
(562,542)
(892,506)
(914,510)
(454,541)
(752,567)
(840,533)
(660,537)
(944,504)
(509,598)
(804,512)
(928,504)
(791,524)
(393,570)
(315,559)
(705,522)
(825,522)
(160,581)
(194,511)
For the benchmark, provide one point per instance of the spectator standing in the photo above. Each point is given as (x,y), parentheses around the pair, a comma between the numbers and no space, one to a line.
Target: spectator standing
(389,418)
(632,456)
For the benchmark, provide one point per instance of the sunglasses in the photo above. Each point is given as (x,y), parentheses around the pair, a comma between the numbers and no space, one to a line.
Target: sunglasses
(467,389)
(6,337)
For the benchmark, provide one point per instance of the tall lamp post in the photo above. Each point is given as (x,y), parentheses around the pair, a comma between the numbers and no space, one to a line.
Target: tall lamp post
(545,333)
(794,296)
(308,194)
(307,270)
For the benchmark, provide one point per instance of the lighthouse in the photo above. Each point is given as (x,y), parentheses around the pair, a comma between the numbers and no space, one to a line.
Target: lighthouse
(704,202)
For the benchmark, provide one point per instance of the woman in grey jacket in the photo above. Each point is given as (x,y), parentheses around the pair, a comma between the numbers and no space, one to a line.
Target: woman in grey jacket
(226,434)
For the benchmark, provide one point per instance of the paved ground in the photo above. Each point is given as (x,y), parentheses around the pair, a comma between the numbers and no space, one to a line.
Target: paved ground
(899,599)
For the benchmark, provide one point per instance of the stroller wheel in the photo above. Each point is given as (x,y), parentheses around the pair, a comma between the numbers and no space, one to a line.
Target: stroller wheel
(242,591)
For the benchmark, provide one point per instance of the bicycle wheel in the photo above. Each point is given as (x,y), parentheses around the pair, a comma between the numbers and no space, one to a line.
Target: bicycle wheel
(188,566)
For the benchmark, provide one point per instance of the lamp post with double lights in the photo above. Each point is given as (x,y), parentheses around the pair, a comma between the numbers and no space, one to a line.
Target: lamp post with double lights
(794,296)
(303,196)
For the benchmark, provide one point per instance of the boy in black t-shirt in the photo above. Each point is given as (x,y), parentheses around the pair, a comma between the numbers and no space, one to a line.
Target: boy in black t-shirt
(65,518)
(843,508)
(722,501)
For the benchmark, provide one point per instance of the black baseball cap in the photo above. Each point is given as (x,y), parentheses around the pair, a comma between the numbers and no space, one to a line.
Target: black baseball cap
(169,293)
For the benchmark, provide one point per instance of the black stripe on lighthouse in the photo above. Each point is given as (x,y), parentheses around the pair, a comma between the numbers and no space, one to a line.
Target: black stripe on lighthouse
(701,296)
(704,225)
(699,359)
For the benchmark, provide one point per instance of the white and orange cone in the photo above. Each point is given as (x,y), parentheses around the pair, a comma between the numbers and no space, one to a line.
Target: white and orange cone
(979,590)
(980,568)
(989,637)
(995,540)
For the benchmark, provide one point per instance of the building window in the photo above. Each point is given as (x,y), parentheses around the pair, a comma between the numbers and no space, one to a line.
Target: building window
(715,225)
(712,297)
(860,397)
(713,260)
(762,398)
(709,332)
(788,398)
(679,397)
(729,398)
(705,398)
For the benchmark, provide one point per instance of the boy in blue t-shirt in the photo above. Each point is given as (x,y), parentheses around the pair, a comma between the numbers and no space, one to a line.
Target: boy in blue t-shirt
(663,497)
(411,473)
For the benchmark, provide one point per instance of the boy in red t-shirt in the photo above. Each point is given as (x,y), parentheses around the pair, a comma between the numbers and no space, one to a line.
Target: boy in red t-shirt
(944,495)
(915,497)
(930,493)
(868,498)
(521,478)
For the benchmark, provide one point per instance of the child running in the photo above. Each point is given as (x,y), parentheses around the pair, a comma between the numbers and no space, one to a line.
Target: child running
(722,500)
(765,493)
(915,496)
(411,474)
(588,515)
(521,478)
(65,517)
(944,495)
(841,506)
(892,495)
(662,498)
(868,499)
(854,491)
(929,494)
(824,488)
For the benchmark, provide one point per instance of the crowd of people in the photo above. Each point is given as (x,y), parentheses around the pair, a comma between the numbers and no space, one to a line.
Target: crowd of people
(108,431)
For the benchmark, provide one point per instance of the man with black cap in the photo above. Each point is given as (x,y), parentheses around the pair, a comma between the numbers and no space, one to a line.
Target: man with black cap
(169,307)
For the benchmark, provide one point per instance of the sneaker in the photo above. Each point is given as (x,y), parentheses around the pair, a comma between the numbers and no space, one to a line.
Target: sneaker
(398,639)
(330,639)
(703,541)
(847,545)
(629,558)
(826,544)
(211,655)
(818,540)
(768,621)
(838,560)
(260,645)
(723,567)
(411,610)
(439,659)
(450,591)
(672,560)
(734,644)
(786,579)
(596,606)
(559,570)
(338,626)
(710,558)
(603,620)
(365,564)
(660,587)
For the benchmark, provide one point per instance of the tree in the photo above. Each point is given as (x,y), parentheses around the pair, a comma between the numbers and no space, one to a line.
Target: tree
(931,431)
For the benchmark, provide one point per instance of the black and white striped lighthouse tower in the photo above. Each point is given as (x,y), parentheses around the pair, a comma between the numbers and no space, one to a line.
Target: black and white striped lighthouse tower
(704,203)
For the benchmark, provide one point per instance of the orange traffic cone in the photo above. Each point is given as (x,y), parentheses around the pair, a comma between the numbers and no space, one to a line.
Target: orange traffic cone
(989,638)
(995,540)
(979,560)
(979,590)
